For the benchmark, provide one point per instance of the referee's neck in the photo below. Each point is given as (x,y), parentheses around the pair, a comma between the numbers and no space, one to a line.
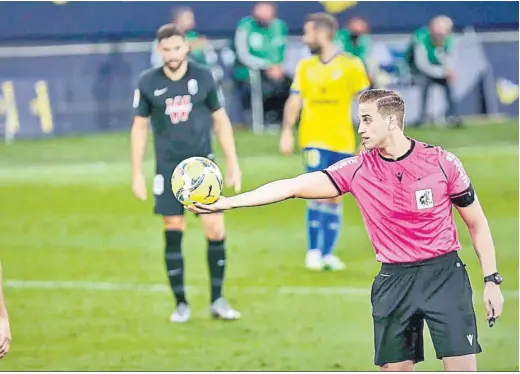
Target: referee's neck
(396,146)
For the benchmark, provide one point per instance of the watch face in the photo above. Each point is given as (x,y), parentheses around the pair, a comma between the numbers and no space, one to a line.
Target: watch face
(498,278)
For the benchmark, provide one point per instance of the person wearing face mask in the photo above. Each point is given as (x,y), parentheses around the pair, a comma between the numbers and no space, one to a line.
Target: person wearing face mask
(354,38)
(259,43)
(184,20)
(429,56)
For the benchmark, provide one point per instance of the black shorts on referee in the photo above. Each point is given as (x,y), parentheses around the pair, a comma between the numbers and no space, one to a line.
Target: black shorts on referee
(437,291)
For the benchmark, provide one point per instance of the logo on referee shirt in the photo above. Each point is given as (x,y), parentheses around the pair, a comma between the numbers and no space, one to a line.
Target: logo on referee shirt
(424,199)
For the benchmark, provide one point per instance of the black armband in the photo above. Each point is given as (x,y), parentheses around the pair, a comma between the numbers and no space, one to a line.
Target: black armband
(464,198)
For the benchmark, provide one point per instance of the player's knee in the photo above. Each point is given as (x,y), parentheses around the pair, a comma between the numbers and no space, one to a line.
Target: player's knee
(215,233)
(174,223)
(398,366)
(214,226)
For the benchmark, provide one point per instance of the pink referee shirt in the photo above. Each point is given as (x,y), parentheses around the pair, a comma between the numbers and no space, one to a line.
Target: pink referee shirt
(406,203)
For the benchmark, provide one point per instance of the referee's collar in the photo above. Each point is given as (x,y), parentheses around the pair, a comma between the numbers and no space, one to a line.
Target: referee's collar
(408,153)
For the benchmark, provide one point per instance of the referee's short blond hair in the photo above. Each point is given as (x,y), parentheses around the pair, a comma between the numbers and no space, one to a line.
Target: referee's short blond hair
(388,103)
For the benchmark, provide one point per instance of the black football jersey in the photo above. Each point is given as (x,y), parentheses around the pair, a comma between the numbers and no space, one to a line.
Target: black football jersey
(180,111)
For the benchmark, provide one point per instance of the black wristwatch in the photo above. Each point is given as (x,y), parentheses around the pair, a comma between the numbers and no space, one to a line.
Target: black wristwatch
(494,278)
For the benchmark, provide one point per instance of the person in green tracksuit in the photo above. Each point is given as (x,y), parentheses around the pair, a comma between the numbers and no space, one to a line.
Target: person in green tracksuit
(429,57)
(259,43)
(354,38)
(184,19)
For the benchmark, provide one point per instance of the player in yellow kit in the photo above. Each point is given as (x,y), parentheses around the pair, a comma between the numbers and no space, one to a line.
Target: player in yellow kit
(324,87)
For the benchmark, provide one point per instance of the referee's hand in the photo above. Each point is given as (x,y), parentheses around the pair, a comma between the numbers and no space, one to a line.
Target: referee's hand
(493,300)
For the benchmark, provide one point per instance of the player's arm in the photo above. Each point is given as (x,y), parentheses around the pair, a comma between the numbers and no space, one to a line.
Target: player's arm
(291,111)
(5,331)
(465,200)
(224,132)
(138,140)
(423,64)
(242,38)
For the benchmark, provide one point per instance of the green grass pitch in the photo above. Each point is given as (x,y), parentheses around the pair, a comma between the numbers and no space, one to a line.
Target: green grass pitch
(86,287)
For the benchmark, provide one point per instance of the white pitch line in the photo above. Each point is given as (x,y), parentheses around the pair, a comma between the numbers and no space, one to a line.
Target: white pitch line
(161,288)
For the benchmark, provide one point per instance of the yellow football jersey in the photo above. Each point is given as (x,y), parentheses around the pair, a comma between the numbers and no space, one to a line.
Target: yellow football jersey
(327,90)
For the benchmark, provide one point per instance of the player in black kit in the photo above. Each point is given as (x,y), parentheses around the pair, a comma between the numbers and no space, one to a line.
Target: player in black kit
(184,106)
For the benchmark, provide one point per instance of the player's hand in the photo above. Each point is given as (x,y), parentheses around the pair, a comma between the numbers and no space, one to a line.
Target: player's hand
(5,335)
(223,203)
(493,300)
(139,186)
(233,176)
(286,143)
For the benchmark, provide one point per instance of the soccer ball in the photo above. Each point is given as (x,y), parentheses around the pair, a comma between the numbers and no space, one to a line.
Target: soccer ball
(197,180)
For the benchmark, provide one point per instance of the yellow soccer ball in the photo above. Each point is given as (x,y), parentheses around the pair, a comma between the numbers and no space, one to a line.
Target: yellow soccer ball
(197,180)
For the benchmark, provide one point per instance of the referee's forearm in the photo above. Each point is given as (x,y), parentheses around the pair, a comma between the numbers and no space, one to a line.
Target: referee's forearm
(483,243)
(267,194)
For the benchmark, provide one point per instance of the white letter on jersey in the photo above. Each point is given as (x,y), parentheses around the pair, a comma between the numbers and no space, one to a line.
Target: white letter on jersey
(462,174)
(345,162)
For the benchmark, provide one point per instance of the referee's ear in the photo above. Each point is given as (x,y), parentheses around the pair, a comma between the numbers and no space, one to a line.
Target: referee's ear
(392,122)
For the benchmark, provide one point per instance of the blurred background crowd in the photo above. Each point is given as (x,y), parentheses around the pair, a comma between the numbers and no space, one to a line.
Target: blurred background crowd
(69,67)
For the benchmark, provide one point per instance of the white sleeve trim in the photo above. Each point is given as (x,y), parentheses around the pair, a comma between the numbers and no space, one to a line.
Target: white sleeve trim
(424,66)
(242,50)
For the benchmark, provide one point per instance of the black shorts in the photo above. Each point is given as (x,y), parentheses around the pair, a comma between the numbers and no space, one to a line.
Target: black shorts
(437,291)
(166,204)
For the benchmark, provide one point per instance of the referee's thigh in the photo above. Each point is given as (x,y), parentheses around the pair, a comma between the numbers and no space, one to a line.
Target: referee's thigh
(398,328)
(448,309)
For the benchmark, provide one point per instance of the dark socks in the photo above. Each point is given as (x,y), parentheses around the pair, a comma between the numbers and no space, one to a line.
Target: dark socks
(217,266)
(175,264)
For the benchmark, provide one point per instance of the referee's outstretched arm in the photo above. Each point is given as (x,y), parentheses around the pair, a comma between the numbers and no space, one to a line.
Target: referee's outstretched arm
(315,185)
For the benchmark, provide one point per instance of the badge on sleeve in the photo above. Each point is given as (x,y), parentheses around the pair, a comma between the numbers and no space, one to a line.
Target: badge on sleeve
(193,86)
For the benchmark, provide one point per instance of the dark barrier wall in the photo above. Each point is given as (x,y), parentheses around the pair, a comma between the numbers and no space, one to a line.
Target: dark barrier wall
(109,20)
